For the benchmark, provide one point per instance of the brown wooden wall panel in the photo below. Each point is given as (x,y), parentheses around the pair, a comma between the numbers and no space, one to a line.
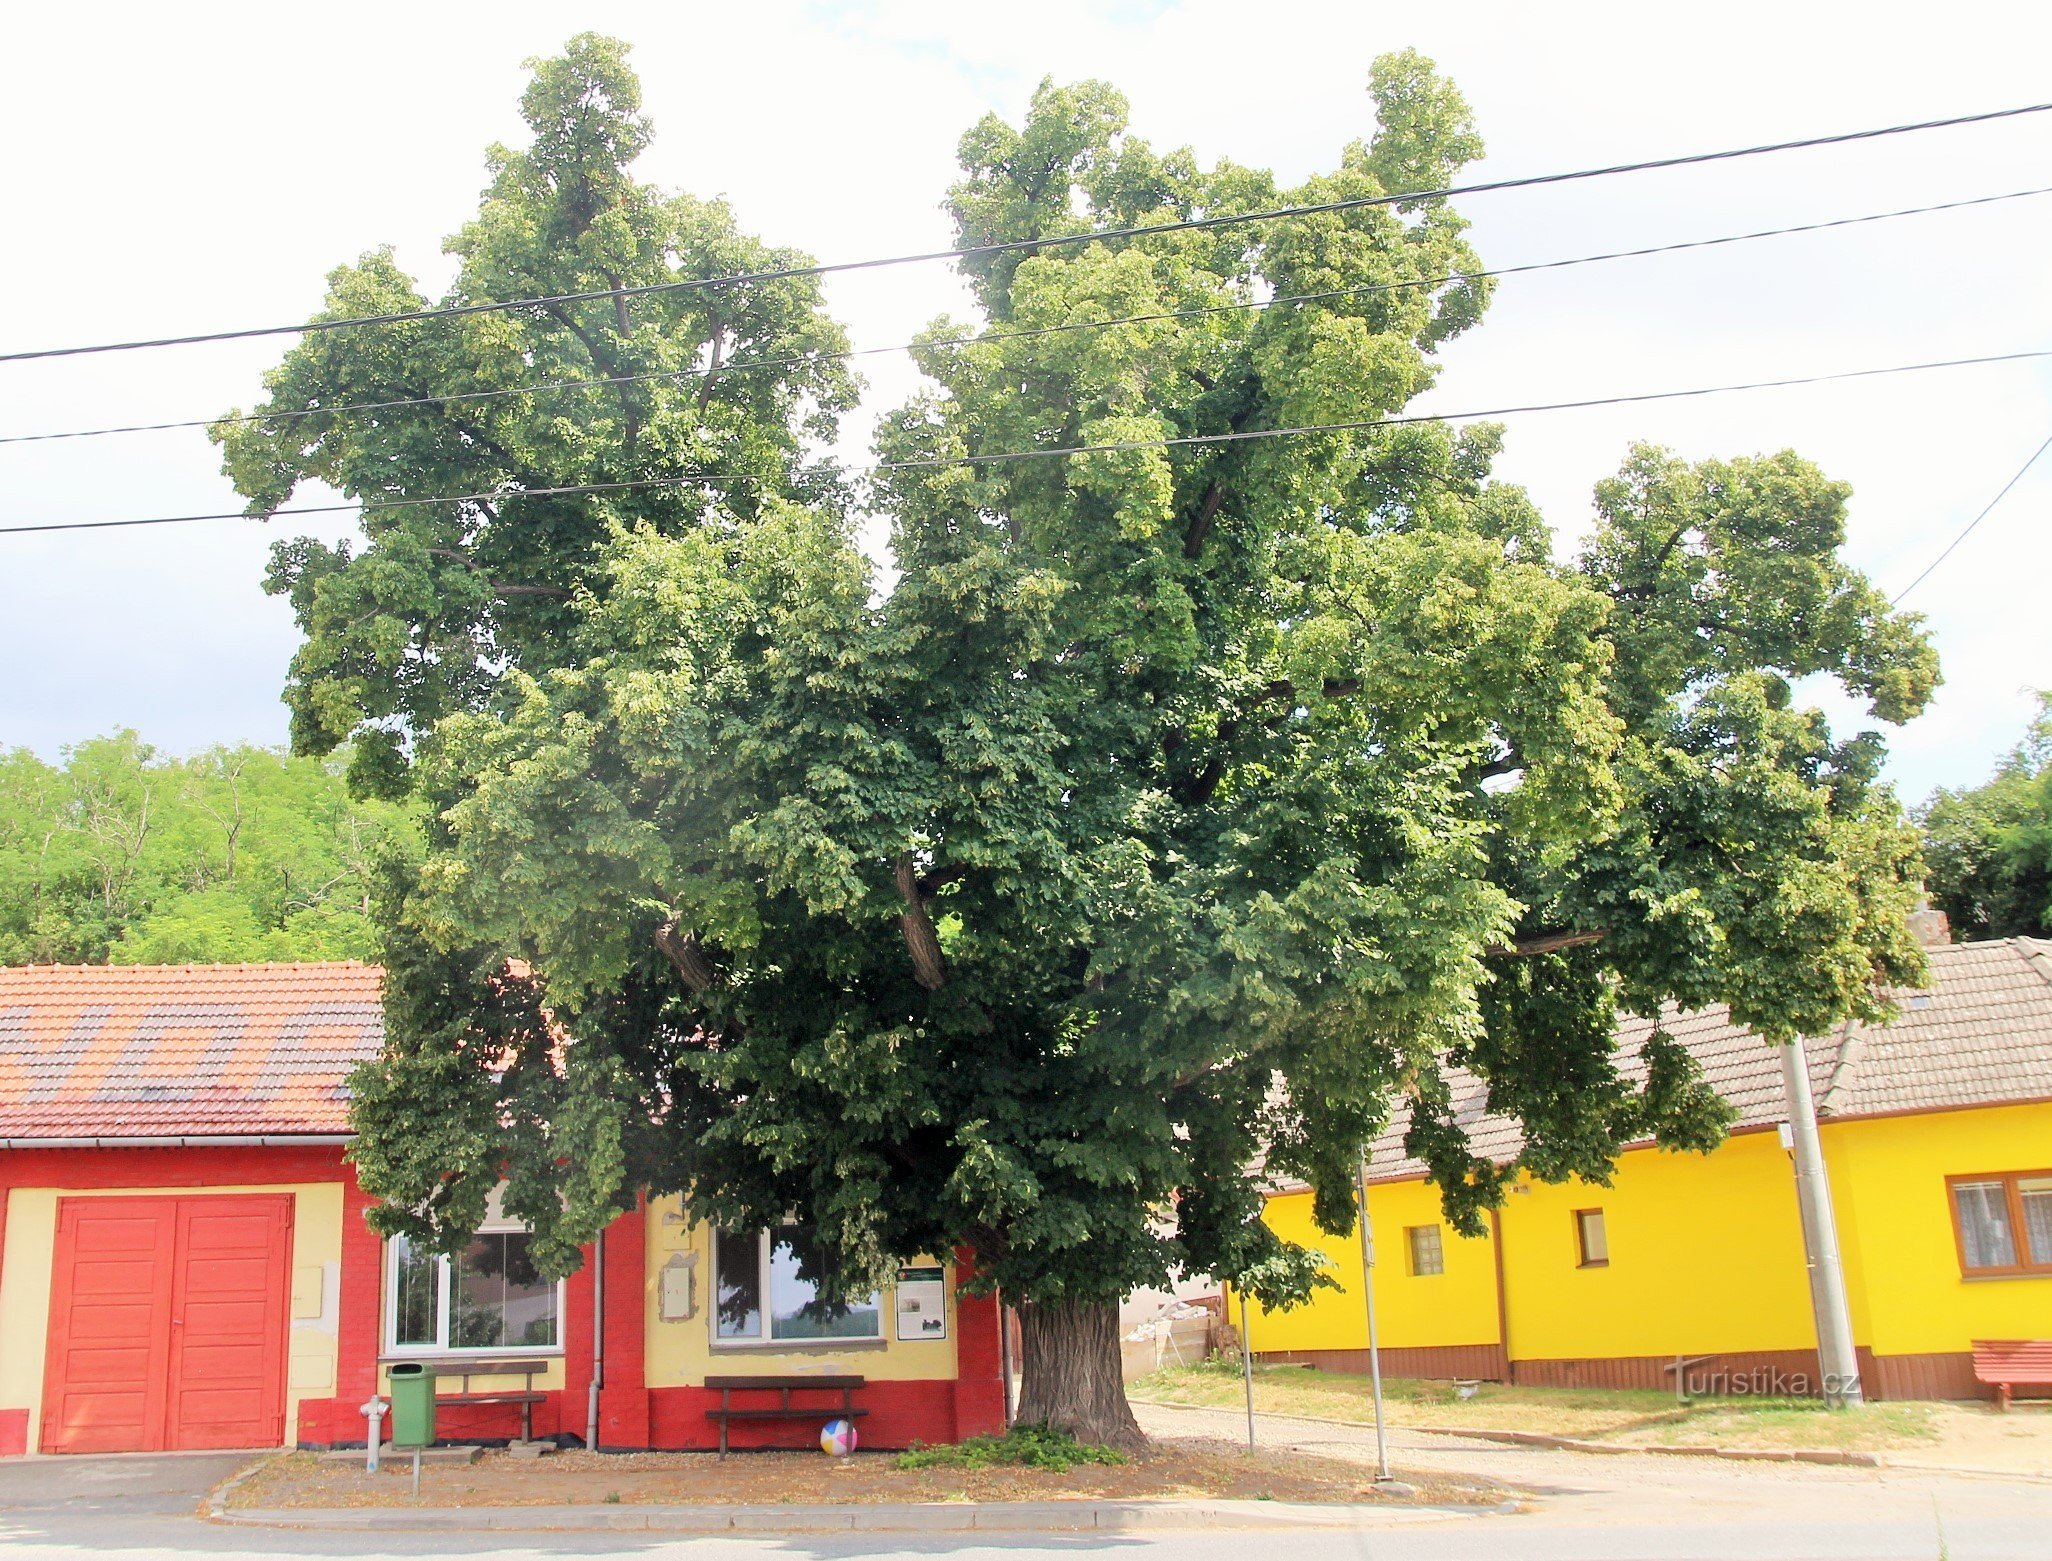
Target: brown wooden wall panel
(1440,1363)
(1949,1375)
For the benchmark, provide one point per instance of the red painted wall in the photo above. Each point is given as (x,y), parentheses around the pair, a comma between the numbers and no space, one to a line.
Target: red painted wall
(631,1415)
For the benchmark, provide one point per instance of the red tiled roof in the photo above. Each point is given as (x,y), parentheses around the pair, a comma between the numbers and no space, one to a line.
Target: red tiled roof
(153,1051)
(1979,1035)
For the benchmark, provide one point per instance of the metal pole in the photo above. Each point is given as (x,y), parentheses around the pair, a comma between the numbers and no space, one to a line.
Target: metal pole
(1835,1352)
(1368,1289)
(598,1342)
(1247,1367)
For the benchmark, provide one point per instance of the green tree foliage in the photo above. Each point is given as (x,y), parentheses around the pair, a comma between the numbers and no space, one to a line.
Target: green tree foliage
(417,623)
(1989,847)
(118,855)
(1175,801)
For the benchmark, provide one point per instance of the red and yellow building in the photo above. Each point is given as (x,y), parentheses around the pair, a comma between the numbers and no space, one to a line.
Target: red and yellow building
(185,1261)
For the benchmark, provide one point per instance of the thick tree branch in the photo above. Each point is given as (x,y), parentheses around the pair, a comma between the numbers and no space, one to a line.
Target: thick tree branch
(1509,762)
(1200,524)
(929,967)
(1545,943)
(1207,507)
(500,588)
(683,950)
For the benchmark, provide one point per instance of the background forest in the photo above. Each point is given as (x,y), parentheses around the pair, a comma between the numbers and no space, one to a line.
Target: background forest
(120,855)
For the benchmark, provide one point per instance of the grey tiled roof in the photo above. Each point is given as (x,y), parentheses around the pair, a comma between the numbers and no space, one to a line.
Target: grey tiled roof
(1980,1034)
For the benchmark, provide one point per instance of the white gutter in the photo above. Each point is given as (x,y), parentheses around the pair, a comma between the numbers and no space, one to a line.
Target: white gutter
(189,1141)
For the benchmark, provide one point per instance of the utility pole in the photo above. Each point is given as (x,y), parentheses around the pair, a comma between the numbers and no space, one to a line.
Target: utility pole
(1247,1366)
(1836,1356)
(1382,1474)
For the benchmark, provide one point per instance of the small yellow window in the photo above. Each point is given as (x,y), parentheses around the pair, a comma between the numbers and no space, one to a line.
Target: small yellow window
(1591,1243)
(1427,1255)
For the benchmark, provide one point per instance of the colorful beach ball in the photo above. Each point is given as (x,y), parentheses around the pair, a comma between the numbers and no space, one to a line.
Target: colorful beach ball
(837,1438)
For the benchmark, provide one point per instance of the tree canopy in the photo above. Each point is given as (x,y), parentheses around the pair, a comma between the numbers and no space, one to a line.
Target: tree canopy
(120,855)
(1175,804)
(1989,847)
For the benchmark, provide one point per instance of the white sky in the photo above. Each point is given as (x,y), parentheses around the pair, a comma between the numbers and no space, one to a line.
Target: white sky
(181,168)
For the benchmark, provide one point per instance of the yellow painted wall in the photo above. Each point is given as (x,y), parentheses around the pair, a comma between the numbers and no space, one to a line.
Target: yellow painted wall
(315,1277)
(1706,1252)
(1896,1227)
(1455,1307)
(681,1353)
(1706,1257)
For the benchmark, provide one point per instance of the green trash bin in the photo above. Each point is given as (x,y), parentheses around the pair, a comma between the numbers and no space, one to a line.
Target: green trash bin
(413,1405)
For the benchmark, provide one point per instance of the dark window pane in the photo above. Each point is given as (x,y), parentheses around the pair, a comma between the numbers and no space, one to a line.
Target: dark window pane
(796,1309)
(418,1276)
(497,1297)
(1985,1238)
(737,1278)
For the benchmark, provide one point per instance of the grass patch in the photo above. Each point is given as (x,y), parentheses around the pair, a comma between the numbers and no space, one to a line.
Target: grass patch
(1022,1447)
(1602,1414)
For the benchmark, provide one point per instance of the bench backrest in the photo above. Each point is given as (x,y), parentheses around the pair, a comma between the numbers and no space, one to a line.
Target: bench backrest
(486,1368)
(777,1384)
(2021,1359)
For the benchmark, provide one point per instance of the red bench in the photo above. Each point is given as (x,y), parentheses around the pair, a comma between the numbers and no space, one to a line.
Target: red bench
(784,1409)
(2005,1364)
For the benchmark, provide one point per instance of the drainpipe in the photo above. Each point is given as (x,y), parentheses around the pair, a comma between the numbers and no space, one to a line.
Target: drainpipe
(1503,1332)
(598,1342)
(1836,1355)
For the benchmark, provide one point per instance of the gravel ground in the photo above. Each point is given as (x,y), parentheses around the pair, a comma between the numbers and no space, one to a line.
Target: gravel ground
(1632,1487)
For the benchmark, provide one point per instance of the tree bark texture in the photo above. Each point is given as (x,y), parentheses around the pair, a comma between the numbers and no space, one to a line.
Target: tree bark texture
(685,952)
(929,967)
(1070,1372)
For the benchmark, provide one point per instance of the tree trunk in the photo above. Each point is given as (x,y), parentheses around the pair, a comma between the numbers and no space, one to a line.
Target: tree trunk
(1070,1376)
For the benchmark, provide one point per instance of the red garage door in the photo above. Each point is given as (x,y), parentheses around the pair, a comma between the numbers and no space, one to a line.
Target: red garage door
(167,1324)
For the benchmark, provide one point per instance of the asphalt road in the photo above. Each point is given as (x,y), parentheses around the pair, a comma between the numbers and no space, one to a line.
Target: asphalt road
(1582,1509)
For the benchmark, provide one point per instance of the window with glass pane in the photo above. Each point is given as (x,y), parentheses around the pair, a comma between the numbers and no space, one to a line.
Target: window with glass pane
(416,1298)
(498,1299)
(1985,1239)
(2035,1194)
(797,1310)
(1592,1241)
(1428,1256)
(489,1297)
(766,1297)
(737,1269)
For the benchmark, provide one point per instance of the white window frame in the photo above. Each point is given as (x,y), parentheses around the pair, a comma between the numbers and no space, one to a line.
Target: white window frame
(495,1224)
(764,1304)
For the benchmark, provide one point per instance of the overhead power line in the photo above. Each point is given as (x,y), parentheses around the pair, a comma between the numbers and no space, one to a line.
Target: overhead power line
(992,458)
(1015,246)
(742,365)
(1968,530)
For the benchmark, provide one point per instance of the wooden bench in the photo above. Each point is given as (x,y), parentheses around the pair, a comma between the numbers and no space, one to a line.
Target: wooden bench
(784,1409)
(526,1397)
(2013,1363)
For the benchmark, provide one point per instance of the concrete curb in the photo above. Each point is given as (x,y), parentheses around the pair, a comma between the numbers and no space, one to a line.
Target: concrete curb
(1571,1444)
(217,1498)
(1046,1517)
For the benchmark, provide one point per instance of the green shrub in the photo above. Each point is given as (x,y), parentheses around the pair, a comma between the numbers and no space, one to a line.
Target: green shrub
(1026,1446)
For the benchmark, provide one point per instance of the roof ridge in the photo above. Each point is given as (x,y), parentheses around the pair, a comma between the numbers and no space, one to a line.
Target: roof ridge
(2037,953)
(189,967)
